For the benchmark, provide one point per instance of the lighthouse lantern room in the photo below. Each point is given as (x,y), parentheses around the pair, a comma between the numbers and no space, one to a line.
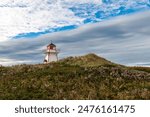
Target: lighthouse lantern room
(51,53)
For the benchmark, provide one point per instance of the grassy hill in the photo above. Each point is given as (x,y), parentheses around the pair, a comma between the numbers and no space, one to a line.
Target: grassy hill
(85,77)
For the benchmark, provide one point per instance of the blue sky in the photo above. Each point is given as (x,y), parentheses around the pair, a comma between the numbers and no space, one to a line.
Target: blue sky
(115,29)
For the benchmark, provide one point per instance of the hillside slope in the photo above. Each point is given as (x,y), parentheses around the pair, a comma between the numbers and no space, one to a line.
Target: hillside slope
(88,60)
(85,77)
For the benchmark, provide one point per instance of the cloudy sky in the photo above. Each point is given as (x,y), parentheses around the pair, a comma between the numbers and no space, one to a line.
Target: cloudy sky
(118,30)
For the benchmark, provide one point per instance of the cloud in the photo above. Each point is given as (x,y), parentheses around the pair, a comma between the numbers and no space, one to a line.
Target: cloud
(123,40)
(33,16)
(25,16)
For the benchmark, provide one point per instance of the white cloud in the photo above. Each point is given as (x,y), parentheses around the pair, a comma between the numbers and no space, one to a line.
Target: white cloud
(24,16)
(84,1)
(8,62)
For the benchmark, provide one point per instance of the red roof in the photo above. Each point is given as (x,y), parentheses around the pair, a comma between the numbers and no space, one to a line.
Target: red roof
(52,45)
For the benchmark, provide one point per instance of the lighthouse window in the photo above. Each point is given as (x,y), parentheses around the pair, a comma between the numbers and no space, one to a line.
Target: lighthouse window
(51,47)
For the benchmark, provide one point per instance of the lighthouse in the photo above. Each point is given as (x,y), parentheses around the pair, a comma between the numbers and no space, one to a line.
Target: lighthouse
(51,53)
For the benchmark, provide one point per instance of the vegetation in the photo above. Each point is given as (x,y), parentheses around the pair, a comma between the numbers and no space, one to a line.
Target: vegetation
(85,77)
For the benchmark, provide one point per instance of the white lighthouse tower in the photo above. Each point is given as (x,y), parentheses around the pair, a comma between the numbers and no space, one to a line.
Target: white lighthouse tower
(51,53)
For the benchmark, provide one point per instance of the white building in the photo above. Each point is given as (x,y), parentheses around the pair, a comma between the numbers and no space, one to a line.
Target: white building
(51,53)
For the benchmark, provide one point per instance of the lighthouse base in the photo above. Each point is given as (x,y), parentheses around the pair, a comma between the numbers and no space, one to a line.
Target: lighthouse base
(50,58)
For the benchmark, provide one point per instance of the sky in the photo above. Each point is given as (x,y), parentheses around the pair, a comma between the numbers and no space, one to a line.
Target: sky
(117,30)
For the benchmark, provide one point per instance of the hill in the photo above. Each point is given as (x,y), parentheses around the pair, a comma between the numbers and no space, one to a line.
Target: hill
(84,77)
(88,60)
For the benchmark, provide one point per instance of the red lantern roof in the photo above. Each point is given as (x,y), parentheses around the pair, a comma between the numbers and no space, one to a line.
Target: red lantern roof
(51,45)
